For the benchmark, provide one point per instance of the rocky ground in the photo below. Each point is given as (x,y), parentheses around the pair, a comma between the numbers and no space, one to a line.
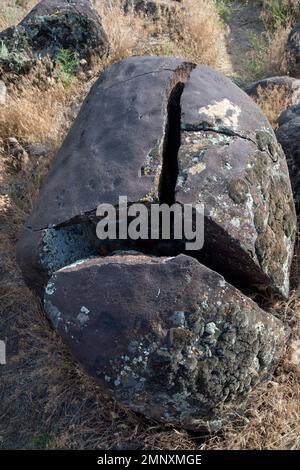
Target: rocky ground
(47,400)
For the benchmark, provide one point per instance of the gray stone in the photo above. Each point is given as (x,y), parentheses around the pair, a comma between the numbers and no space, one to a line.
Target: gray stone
(167,337)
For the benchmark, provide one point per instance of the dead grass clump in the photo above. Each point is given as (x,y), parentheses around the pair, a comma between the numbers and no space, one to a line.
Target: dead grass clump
(201,36)
(127,33)
(35,114)
(193,30)
(277,59)
(273,101)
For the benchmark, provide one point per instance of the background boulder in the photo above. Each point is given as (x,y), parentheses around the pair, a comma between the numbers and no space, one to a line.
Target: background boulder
(288,134)
(194,137)
(53,25)
(293,50)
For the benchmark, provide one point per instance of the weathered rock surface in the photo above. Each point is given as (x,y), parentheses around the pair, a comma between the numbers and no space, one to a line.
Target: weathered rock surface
(291,86)
(166,337)
(112,149)
(288,134)
(229,159)
(192,137)
(50,26)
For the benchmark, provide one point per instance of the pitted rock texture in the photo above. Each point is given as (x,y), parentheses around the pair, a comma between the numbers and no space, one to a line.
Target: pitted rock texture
(288,134)
(229,159)
(50,26)
(163,130)
(166,337)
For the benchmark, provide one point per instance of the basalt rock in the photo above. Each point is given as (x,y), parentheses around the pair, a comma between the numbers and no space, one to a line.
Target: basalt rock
(288,134)
(229,159)
(53,25)
(166,335)
(193,137)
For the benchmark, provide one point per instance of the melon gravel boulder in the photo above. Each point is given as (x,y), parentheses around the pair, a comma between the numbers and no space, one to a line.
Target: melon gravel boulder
(167,332)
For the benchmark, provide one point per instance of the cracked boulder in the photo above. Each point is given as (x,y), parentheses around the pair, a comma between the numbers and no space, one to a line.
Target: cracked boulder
(288,134)
(163,130)
(53,25)
(167,337)
(113,149)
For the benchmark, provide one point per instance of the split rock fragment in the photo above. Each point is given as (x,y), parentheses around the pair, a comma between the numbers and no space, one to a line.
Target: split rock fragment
(163,130)
(230,161)
(167,337)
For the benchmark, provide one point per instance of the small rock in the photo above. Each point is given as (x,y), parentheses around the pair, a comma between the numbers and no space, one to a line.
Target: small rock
(295,352)
(18,153)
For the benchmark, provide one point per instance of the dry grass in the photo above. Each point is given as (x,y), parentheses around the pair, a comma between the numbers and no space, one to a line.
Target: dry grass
(279,16)
(12,11)
(47,401)
(193,31)
(46,109)
(273,101)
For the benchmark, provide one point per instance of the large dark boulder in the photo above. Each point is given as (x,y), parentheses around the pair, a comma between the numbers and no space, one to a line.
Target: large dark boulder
(288,134)
(167,337)
(158,129)
(53,25)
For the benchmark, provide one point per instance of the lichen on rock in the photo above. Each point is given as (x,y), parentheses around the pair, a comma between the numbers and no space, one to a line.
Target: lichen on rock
(52,26)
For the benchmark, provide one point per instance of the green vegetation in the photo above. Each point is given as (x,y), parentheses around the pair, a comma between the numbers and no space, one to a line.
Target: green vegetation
(223,8)
(67,62)
(278,13)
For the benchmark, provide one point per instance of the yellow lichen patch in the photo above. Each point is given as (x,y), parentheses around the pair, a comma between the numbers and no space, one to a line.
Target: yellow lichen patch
(224,111)
(194,170)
